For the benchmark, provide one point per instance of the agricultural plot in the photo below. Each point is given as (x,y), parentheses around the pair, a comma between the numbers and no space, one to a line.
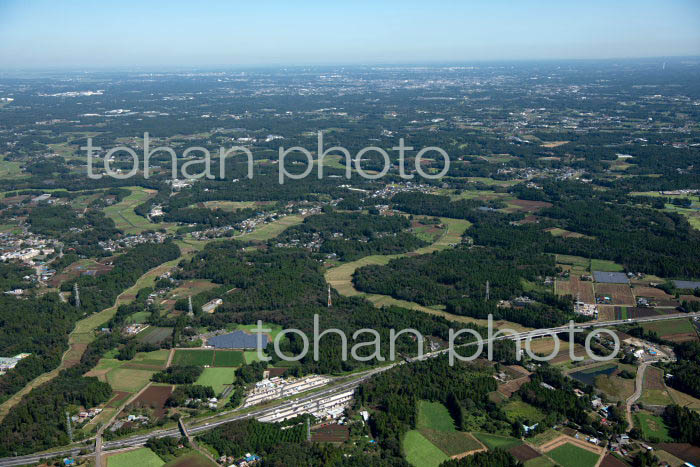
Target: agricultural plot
(517,410)
(524,453)
(228,358)
(573,456)
(618,294)
(128,379)
(676,330)
(154,398)
(154,335)
(654,391)
(273,229)
(605,265)
(193,357)
(657,296)
(420,452)
(492,441)
(123,213)
(191,459)
(143,457)
(332,433)
(217,378)
(576,288)
(652,427)
(436,427)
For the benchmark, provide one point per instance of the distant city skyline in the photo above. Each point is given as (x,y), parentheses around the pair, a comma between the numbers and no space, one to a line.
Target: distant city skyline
(81,34)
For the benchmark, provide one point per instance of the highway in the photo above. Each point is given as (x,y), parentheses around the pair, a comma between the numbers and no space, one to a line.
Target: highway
(352,382)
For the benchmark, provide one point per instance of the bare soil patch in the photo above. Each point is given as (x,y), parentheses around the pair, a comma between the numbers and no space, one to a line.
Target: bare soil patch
(684,451)
(619,294)
(524,453)
(332,433)
(155,397)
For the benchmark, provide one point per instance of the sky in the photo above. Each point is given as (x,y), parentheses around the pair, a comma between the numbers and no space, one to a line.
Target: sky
(204,33)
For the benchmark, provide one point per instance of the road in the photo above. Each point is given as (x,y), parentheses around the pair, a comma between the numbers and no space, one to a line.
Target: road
(353,382)
(638,385)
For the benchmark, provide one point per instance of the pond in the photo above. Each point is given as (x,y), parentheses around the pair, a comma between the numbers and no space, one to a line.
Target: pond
(589,375)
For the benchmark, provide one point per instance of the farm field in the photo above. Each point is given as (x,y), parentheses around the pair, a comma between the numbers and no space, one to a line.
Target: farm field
(420,452)
(435,416)
(492,441)
(217,378)
(193,357)
(331,433)
(676,330)
(654,391)
(124,216)
(228,358)
(154,335)
(273,229)
(605,265)
(143,457)
(436,427)
(191,459)
(154,397)
(652,427)
(128,380)
(518,410)
(620,294)
(569,455)
(539,462)
(576,288)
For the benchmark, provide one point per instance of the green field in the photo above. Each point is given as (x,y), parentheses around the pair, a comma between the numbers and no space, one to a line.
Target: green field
(497,441)
(569,455)
(435,430)
(604,265)
(539,462)
(193,357)
(217,378)
(652,427)
(123,213)
(128,379)
(273,229)
(671,326)
(228,358)
(434,415)
(191,459)
(143,457)
(420,452)
(518,410)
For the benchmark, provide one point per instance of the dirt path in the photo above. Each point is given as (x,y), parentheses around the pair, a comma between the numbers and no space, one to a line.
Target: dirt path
(639,384)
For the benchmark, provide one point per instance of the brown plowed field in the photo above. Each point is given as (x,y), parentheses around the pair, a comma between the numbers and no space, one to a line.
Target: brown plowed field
(620,294)
(524,453)
(684,451)
(576,287)
(155,397)
(330,434)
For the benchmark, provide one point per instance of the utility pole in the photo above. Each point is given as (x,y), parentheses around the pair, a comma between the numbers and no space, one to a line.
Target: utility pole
(76,293)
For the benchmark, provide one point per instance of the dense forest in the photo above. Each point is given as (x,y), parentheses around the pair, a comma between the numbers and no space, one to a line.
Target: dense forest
(286,286)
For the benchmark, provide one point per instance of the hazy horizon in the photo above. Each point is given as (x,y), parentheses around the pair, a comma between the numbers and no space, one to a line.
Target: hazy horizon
(211,34)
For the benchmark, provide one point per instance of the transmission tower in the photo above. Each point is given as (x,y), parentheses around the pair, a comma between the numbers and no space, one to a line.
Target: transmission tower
(76,293)
(69,428)
(308,429)
(330,302)
(190,312)
(487,291)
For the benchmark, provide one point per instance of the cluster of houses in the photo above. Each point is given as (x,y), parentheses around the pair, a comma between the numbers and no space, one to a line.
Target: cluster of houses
(245,461)
(133,240)
(85,415)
